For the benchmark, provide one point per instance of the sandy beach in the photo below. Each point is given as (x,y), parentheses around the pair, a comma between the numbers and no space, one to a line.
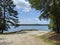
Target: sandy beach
(22,38)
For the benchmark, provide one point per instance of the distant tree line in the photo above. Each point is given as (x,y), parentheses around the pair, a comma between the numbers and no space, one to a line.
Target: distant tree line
(34,24)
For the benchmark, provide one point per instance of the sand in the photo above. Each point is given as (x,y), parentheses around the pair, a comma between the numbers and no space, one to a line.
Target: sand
(22,38)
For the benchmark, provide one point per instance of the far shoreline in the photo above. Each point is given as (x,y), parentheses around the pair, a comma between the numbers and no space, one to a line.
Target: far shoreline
(25,30)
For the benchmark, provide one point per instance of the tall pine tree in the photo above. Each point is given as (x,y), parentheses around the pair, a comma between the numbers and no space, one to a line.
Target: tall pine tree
(8,16)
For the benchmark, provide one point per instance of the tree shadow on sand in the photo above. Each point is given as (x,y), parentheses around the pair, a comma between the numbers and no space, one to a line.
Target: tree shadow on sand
(55,38)
(3,42)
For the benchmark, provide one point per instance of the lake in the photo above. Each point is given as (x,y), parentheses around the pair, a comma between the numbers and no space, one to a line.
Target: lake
(29,27)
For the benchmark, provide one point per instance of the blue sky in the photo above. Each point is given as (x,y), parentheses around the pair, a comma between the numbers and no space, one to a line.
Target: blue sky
(27,15)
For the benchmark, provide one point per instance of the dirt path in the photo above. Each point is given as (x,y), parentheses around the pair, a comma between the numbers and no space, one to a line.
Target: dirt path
(20,39)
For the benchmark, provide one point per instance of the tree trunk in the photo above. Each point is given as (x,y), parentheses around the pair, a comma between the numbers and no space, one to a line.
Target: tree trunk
(57,28)
(2,32)
(4,21)
(56,18)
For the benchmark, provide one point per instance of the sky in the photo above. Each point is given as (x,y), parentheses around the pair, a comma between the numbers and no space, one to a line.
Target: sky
(26,14)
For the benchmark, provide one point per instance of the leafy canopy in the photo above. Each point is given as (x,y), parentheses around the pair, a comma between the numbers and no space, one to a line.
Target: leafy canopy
(50,9)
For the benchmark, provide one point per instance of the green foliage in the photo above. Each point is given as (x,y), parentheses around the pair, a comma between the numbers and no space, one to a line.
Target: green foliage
(8,16)
(50,10)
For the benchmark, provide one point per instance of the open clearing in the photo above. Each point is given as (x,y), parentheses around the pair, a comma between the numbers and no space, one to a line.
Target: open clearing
(22,38)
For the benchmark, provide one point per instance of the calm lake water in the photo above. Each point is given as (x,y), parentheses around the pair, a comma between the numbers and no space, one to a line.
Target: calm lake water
(29,27)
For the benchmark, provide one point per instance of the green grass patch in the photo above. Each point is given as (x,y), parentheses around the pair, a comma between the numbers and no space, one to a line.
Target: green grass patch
(47,40)
(16,32)
(8,33)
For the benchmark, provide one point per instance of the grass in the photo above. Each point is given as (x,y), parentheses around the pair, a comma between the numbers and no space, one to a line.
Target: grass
(47,38)
(16,32)
(20,32)
(8,33)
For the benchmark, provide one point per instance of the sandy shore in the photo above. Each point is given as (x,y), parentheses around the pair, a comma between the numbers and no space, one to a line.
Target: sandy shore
(22,39)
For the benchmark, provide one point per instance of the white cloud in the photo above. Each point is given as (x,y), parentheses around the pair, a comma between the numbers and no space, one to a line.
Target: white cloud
(27,21)
(33,21)
(42,21)
(22,4)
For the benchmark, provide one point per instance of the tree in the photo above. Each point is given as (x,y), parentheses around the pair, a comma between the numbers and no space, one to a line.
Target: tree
(50,9)
(8,15)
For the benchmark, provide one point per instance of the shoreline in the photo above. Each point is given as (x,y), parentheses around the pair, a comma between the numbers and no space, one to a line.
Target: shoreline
(39,32)
(26,30)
